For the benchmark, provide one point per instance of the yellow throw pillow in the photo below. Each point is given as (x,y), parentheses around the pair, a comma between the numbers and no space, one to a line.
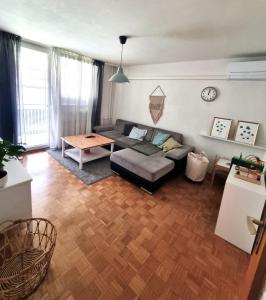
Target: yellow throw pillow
(169,144)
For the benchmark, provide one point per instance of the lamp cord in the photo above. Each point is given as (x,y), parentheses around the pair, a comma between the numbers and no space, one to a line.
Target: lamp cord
(121,56)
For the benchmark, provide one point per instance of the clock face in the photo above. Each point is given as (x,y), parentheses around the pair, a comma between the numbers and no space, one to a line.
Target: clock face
(209,94)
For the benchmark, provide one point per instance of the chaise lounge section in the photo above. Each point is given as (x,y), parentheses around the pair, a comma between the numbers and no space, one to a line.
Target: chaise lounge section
(148,172)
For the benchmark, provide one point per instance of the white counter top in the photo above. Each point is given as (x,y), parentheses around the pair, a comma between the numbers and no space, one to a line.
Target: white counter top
(16,173)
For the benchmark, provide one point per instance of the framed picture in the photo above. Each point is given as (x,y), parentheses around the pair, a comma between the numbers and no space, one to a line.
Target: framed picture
(246,132)
(221,127)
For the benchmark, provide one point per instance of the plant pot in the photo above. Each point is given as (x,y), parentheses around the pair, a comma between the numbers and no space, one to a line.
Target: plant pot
(3,178)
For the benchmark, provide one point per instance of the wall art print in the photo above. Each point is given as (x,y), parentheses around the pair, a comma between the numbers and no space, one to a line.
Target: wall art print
(156,104)
(246,132)
(221,127)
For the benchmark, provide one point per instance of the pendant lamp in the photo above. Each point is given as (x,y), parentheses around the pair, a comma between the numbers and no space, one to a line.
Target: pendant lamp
(119,76)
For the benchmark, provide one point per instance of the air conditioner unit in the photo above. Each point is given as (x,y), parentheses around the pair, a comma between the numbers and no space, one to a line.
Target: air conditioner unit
(248,70)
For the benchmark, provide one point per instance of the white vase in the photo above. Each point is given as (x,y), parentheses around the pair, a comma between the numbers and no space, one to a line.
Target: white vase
(3,180)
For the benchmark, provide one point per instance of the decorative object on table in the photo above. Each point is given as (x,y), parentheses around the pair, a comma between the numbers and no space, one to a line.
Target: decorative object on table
(251,161)
(209,94)
(249,168)
(222,166)
(221,127)
(247,174)
(246,132)
(156,104)
(26,249)
(197,166)
(8,151)
(119,76)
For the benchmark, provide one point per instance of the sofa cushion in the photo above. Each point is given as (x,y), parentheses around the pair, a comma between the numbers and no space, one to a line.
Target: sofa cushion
(120,125)
(177,136)
(179,153)
(100,128)
(147,167)
(145,148)
(170,144)
(159,138)
(113,134)
(149,133)
(127,129)
(125,141)
(137,133)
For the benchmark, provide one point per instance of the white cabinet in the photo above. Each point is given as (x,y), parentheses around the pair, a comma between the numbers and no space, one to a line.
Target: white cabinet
(240,199)
(15,196)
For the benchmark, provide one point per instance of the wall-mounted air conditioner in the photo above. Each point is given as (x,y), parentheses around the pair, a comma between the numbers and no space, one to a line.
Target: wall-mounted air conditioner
(248,70)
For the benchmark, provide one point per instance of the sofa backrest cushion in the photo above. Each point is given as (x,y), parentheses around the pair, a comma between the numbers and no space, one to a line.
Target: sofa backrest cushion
(177,136)
(149,134)
(120,125)
(127,129)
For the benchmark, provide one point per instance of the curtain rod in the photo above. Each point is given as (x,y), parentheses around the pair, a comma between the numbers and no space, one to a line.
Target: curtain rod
(48,47)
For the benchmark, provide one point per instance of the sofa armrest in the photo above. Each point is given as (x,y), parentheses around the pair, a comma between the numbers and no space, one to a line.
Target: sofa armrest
(100,128)
(179,153)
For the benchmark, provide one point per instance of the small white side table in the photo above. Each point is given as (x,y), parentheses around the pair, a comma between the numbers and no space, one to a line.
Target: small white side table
(240,199)
(15,196)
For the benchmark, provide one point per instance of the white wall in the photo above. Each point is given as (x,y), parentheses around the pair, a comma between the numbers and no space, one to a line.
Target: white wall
(184,110)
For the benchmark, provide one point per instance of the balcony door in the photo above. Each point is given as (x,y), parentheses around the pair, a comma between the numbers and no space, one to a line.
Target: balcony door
(34,96)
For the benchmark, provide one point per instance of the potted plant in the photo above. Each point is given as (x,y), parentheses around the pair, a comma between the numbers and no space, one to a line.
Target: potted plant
(8,151)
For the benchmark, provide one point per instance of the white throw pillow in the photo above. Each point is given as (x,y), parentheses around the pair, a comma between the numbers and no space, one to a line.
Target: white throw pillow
(137,133)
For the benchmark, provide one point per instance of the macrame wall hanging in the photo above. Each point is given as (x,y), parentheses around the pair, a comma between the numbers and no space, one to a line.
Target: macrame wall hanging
(156,104)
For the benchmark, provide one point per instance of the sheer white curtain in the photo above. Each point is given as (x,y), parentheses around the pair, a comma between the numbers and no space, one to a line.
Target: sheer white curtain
(71,88)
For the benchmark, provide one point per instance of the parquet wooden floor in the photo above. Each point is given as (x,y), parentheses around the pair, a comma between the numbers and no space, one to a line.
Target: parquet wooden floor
(117,242)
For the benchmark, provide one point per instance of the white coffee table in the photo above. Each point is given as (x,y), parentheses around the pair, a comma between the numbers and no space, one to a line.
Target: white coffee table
(86,147)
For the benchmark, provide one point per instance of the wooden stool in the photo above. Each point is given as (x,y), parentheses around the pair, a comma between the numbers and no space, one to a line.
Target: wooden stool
(221,166)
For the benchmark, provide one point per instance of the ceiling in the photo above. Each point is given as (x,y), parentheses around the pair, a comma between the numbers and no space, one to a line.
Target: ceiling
(160,30)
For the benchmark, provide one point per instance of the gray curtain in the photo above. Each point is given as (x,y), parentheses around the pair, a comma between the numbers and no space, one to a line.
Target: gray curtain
(9,86)
(98,69)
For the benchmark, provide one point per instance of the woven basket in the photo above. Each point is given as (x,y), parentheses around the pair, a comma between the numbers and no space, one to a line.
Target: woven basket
(26,248)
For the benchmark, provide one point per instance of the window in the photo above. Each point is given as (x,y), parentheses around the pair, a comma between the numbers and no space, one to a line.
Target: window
(76,81)
(34,96)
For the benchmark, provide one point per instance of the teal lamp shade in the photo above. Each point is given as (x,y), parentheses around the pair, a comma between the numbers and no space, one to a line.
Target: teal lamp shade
(119,76)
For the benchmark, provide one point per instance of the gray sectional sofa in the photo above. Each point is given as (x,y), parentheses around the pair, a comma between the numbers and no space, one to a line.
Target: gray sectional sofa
(139,161)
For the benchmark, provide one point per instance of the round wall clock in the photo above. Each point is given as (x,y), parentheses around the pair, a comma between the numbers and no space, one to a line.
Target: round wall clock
(209,94)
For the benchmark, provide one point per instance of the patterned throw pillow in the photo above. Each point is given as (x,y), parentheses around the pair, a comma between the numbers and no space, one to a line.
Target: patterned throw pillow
(137,133)
(160,138)
(170,144)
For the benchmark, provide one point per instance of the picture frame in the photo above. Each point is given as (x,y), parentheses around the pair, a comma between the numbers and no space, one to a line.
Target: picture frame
(221,127)
(246,132)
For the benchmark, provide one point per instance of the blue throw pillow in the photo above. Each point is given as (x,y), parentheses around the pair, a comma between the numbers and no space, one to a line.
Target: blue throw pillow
(160,138)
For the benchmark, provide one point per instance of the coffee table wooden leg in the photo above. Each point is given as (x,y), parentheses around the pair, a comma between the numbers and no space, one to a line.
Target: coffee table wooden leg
(112,147)
(80,159)
(63,148)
